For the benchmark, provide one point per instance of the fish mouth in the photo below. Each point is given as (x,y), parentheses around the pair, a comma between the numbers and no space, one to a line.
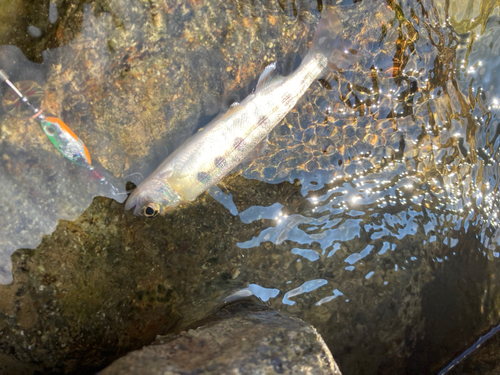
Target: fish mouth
(137,200)
(144,206)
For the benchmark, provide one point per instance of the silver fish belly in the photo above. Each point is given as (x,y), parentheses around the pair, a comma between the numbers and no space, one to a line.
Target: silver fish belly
(209,155)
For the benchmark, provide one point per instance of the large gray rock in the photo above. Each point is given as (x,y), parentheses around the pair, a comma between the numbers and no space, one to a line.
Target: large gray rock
(241,338)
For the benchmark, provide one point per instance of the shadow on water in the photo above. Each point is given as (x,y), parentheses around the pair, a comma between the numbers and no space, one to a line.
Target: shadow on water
(455,305)
(371,212)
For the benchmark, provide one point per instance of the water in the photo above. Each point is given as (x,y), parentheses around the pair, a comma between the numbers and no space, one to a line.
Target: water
(372,213)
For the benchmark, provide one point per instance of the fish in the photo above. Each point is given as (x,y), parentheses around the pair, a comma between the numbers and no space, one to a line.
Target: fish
(210,154)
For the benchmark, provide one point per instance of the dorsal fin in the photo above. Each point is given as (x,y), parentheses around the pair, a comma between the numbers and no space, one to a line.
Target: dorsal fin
(268,76)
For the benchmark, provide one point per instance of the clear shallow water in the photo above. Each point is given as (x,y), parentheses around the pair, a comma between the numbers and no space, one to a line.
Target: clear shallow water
(39,186)
(394,161)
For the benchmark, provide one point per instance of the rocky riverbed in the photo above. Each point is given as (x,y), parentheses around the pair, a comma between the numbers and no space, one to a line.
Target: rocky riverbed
(371,215)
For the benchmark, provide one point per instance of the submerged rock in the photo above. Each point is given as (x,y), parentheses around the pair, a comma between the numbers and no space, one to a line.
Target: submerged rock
(242,338)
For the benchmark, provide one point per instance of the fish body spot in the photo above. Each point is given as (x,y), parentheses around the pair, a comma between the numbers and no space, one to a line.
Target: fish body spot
(219,161)
(239,143)
(203,176)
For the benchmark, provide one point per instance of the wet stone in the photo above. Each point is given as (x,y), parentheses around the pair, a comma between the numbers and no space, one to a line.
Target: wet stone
(241,337)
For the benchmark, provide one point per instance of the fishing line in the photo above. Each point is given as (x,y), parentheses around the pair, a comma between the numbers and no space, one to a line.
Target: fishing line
(62,137)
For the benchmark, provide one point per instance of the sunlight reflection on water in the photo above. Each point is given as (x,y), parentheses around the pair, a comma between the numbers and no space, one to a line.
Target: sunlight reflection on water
(444,181)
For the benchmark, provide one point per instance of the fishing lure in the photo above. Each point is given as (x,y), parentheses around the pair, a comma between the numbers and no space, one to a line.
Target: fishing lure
(61,136)
(67,142)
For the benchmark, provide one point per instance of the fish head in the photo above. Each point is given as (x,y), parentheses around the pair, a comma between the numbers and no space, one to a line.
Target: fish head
(152,198)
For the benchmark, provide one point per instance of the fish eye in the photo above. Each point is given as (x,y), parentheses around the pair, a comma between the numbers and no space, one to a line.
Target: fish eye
(49,129)
(151,210)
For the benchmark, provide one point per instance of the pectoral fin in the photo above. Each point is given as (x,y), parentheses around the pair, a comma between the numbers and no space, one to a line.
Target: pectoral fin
(167,174)
(258,151)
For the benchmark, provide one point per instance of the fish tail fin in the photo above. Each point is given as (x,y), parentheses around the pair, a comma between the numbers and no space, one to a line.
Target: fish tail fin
(328,41)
